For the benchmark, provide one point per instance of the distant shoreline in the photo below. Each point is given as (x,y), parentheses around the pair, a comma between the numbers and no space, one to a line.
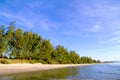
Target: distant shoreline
(6,69)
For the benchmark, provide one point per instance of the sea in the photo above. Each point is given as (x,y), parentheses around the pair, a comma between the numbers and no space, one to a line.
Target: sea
(102,71)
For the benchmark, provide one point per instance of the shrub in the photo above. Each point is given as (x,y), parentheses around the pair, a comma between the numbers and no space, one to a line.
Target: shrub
(42,61)
(32,61)
(4,61)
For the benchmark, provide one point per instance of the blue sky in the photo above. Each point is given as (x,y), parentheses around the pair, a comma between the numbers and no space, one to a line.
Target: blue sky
(90,27)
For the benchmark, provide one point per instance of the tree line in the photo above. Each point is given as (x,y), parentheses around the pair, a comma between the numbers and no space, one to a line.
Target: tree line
(17,44)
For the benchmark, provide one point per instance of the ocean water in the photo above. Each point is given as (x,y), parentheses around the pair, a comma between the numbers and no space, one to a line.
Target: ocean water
(107,71)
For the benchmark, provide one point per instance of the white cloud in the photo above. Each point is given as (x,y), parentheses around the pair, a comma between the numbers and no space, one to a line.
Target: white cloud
(101,10)
(8,15)
(115,39)
(22,20)
(96,28)
(117,33)
(46,24)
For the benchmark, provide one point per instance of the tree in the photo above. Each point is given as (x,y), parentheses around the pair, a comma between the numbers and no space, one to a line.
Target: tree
(62,54)
(16,44)
(27,47)
(46,50)
(2,29)
(2,42)
(9,38)
(74,57)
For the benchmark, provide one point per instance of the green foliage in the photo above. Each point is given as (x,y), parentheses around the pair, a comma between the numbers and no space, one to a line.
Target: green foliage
(2,40)
(4,61)
(74,57)
(32,61)
(16,44)
(85,59)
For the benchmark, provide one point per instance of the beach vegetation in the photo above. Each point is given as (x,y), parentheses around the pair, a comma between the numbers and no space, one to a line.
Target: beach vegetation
(16,44)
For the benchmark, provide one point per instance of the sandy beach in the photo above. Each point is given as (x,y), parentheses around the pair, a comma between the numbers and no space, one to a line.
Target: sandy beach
(16,68)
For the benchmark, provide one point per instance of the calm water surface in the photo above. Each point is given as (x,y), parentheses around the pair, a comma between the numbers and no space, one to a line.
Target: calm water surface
(109,71)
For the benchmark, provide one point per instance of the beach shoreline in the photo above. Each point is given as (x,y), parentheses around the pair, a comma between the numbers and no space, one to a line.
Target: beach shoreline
(6,69)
